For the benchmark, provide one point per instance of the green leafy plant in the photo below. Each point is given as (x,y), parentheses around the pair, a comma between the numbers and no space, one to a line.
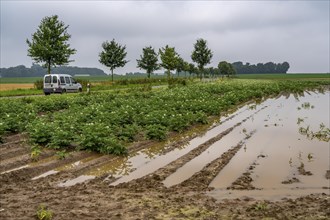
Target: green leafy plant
(156,132)
(35,152)
(61,155)
(43,213)
(39,84)
(261,206)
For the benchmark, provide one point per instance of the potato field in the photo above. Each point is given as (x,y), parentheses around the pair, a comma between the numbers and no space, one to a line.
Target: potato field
(224,149)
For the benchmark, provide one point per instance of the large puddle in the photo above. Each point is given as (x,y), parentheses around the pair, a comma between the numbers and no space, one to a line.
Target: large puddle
(290,151)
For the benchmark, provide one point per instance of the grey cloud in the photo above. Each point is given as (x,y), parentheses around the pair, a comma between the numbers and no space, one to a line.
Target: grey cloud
(235,30)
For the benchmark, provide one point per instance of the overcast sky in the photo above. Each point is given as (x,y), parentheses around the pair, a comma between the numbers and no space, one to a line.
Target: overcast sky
(247,31)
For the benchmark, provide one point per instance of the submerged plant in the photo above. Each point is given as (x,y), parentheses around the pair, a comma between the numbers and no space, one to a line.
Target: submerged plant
(300,120)
(310,156)
(307,105)
(322,135)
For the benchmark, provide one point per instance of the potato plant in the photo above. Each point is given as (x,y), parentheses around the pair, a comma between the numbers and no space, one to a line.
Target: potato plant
(108,122)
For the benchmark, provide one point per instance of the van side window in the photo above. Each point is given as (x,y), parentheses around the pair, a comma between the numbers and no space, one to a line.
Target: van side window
(62,80)
(47,79)
(54,79)
(67,80)
(72,80)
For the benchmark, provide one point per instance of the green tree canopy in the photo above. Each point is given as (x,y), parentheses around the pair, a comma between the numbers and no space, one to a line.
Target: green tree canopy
(49,43)
(148,60)
(201,54)
(260,68)
(113,55)
(226,68)
(169,59)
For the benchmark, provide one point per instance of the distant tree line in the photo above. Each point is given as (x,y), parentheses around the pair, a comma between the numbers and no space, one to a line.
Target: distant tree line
(269,67)
(38,71)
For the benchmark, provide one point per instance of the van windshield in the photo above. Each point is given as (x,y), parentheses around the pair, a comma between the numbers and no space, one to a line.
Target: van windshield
(47,79)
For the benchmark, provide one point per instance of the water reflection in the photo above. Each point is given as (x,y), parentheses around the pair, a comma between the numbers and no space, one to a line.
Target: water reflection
(299,162)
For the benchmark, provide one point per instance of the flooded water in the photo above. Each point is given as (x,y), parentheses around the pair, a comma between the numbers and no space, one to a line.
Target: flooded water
(18,168)
(79,179)
(284,149)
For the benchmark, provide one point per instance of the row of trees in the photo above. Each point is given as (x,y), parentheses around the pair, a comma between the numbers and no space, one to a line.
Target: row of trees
(49,46)
(269,67)
(114,54)
(38,71)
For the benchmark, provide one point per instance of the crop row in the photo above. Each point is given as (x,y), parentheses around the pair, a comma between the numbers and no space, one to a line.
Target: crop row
(108,122)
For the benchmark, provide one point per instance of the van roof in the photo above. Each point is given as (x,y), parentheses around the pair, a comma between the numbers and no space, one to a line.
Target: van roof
(54,74)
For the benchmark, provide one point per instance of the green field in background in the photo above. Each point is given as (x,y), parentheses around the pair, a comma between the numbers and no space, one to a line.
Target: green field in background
(116,77)
(285,76)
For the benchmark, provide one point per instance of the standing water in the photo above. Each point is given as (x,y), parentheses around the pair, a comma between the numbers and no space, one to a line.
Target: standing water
(287,156)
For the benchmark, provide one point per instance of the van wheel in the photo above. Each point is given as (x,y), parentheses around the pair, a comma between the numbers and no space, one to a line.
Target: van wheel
(80,89)
(63,91)
(47,93)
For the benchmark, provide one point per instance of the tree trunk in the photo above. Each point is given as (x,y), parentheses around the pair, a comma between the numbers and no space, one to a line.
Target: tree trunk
(148,75)
(112,75)
(48,67)
(168,74)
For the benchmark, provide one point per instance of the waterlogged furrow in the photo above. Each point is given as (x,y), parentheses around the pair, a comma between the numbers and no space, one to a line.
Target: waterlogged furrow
(73,169)
(67,167)
(194,147)
(207,174)
(14,162)
(215,150)
(252,149)
(37,168)
(210,154)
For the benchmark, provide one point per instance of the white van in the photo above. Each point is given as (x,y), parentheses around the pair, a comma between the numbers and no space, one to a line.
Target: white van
(60,83)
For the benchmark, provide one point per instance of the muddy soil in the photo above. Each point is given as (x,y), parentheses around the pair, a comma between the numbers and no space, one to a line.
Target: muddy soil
(26,184)
(144,198)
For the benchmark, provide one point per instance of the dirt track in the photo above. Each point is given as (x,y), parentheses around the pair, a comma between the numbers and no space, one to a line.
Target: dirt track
(147,197)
